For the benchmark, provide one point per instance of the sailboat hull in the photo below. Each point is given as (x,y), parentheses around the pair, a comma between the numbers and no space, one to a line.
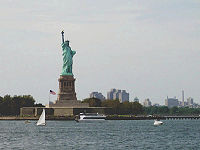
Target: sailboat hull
(43,124)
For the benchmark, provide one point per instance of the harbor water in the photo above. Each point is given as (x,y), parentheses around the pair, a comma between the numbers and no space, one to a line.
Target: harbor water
(101,135)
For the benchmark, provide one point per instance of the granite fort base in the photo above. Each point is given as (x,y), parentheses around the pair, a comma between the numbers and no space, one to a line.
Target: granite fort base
(62,111)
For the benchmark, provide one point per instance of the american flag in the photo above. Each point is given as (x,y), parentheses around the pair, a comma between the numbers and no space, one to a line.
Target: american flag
(52,92)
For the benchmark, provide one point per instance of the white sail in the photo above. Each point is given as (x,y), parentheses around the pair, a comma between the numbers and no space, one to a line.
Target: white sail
(41,121)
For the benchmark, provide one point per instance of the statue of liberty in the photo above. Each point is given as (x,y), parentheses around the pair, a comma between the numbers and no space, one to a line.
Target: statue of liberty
(67,57)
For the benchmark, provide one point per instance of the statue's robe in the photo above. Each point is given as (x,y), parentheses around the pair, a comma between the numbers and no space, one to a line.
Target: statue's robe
(67,59)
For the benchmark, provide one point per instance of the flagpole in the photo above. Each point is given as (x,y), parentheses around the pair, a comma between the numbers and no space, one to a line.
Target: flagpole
(49,99)
(53,93)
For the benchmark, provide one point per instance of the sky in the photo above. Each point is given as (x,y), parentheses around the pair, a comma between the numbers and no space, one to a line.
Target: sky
(150,48)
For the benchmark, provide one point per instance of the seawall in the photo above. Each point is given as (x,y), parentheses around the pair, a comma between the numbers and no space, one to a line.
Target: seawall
(108,117)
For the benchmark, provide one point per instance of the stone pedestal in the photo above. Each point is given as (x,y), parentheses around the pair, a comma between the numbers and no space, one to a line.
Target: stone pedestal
(67,94)
(66,88)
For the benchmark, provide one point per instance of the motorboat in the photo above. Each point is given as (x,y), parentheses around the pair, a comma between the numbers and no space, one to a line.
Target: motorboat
(90,117)
(157,122)
(27,121)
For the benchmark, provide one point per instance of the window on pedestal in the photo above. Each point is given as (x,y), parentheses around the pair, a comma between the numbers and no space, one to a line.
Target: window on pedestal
(61,85)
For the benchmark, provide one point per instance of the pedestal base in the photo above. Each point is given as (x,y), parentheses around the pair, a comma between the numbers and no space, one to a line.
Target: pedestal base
(66,88)
(69,103)
(67,94)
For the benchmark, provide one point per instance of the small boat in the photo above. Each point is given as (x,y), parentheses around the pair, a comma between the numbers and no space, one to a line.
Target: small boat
(41,121)
(157,122)
(27,121)
(90,117)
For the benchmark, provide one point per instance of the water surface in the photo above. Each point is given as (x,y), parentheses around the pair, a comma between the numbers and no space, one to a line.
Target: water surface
(109,134)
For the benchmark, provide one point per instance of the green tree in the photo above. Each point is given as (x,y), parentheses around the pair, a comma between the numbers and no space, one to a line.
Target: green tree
(136,108)
(27,101)
(115,104)
(7,105)
(11,105)
(174,111)
(1,99)
(125,108)
(93,102)
(163,110)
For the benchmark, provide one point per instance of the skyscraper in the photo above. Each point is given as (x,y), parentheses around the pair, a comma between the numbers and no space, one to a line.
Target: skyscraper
(183,103)
(147,102)
(171,102)
(190,101)
(123,96)
(115,94)
(110,94)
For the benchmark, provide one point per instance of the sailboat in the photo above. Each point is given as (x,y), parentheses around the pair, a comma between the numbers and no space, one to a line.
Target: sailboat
(41,121)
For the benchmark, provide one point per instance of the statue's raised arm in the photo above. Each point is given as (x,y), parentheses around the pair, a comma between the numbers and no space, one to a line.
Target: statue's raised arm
(62,36)
(67,57)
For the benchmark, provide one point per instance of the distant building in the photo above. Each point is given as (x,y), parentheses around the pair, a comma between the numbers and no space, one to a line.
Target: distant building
(180,104)
(183,104)
(171,102)
(136,99)
(183,101)
(123,96)
(97,95)
(147,103)
(190,101)
(115,94)
(195,105)
(156,104)
(110,94)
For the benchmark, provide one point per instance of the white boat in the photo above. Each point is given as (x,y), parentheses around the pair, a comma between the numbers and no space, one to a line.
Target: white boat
(41,121)
(90,117)
(157,122)
(27,121)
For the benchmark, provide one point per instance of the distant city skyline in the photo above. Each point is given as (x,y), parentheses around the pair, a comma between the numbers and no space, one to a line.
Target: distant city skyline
(116,94)
(112,94)
(150,48)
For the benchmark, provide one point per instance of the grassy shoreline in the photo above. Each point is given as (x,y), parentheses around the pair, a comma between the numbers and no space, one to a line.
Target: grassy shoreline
(109,117)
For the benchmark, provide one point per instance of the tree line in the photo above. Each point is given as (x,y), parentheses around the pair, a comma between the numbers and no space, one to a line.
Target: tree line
(11,105)
(164,110)
(135,108)
(124,108)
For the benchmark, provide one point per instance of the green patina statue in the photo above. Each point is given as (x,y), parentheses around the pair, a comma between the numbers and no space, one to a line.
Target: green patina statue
(67,57)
